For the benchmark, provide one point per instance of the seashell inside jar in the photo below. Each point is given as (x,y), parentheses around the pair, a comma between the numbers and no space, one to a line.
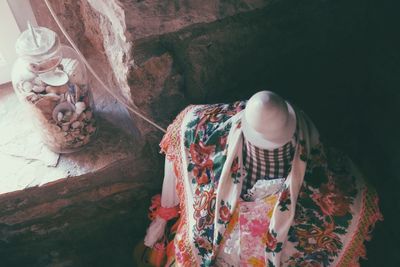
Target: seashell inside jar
(52,83)
(65,116)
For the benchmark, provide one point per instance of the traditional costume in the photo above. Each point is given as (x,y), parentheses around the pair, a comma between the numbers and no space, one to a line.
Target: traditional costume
(314,210)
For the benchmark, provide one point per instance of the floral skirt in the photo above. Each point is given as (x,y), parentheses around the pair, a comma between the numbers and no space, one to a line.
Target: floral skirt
(247,233)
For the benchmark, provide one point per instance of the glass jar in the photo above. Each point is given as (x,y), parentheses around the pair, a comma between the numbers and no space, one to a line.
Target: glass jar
(51,80)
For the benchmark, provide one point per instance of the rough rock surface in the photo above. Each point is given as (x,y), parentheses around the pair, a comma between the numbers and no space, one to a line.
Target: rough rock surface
(125,31)
(151,18)
(101,44)
(90,220)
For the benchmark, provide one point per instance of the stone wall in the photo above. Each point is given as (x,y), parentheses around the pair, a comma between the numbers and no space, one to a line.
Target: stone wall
(92,220)
(100,37)
(129,37)
(338,60)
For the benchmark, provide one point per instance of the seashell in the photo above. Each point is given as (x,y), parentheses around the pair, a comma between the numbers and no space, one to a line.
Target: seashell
(38,89)
(20,86)
(64,63)
(47,105)
(32,97)
(65,128)
(69,138)
(82,116)
(27,86)
(71,88)
(69,65)
(67,116)
(44,65)
(80,107)
(26,75)
(76,124)
(77,93)
(68,123)
(88,115)
(74,117)
(72,68)
(60,116)
(55,128)
(39,82)
(73,94)
(70,98)
(63,107)
(71,118)
(55,97)
(62,98)
(57,89)
(75,133)
(33,67)
(54,78)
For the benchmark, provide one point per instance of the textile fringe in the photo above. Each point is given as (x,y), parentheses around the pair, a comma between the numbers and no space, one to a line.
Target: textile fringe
(170,143)
(171,146)
(370,214)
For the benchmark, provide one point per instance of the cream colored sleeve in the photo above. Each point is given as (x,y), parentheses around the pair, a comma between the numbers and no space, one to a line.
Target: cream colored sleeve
(169,196)
(169,199)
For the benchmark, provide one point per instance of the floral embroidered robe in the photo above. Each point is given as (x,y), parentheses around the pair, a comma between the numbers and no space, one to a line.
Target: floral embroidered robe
(324,211)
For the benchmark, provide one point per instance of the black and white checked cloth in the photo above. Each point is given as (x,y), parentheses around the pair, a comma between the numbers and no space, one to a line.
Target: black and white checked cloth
(266,164)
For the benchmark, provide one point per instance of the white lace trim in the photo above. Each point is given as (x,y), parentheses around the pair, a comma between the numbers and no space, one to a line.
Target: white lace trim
(264,188)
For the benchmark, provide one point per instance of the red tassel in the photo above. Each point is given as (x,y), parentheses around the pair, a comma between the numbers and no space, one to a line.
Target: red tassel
(157,256)
(165,213)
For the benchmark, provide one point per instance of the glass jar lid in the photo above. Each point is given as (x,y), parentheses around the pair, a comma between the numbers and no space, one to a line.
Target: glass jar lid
(46,40)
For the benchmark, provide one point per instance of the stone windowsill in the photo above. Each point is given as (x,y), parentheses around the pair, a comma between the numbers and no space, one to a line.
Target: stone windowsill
(81,209)
(26,162)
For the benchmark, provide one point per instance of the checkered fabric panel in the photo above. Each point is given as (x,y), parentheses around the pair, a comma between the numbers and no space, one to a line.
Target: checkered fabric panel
(266,164)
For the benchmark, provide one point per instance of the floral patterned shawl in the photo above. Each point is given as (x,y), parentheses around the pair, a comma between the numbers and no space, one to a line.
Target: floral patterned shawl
(324,211)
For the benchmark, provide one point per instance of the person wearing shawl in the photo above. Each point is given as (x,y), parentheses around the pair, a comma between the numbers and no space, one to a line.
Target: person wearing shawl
(250,184)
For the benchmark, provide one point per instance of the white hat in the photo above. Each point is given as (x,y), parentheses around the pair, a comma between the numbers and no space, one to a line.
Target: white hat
(268,121)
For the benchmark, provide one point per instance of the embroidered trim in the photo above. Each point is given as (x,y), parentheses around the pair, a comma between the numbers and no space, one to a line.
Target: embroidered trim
(171,146)
(370,214)
(170,143)
(184,251)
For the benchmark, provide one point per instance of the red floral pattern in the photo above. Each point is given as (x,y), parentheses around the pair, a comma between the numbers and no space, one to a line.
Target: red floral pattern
(204,205)
(332,201)
(235,171)
(200,154)
(322,210)
(270,241)
(319,238)
(225,213)
(284,199)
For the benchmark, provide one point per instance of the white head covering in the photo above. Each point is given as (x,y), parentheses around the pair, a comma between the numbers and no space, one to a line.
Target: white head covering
(269,122)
